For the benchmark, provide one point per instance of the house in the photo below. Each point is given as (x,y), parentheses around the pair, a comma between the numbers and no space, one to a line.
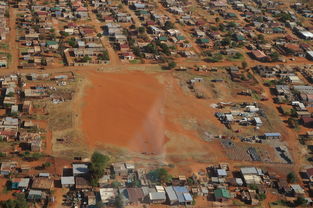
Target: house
(297,190)
(42,183)
(135,195)
(35,195)
(293,49)
(259,55)
(80,169)
(128,56)
(24,183)
(35,144)
(157,197)
(171,195)
(221,195)
(91,198)
(309,173)
(82,183)
(272,135)
(7,167)
(251,175)
(183,195)
(120,169)
(3,61)
(107,195)
(67,181)
(306,35)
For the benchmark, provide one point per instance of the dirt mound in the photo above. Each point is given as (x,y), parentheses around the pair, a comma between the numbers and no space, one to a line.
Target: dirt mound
(125,110)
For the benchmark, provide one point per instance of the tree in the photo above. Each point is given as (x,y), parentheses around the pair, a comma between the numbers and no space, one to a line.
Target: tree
(104,55)
(64,34)
(244,64)
(292,122)
(141,30)
(118,201)
(168,25)
(274,56)
(99,35)
(85,59)
(159,175)
(171,65)
(98,163)
(291,177)
(300,201)
(19,202)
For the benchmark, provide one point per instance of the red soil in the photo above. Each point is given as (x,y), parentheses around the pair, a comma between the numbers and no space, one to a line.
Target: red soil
(124,109)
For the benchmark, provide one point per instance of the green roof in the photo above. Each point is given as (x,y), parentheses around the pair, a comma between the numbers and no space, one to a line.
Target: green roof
(180,37)
(221,193)
(239,37)
(143,12)
(51,42)
(204,40)
(231,14)
(163,38)
(278,29)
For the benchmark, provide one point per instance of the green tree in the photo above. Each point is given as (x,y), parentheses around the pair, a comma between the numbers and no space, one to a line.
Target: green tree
(118,201)
(98,163)
(171,65)
(19,202)
(159,175)
(168,25)
(291,177)
(141,30)
(244,64)
(85,59)
(274,56)
(300,201)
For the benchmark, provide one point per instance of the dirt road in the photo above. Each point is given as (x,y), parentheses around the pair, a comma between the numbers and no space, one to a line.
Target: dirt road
(114,59)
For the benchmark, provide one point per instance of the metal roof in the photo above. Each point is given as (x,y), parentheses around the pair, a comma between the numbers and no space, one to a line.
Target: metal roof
(157,196)
(68,180)
(80,169)
(171,193)
(272,134)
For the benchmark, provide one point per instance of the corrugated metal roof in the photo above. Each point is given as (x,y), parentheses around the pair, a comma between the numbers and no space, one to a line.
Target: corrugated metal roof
(171,193)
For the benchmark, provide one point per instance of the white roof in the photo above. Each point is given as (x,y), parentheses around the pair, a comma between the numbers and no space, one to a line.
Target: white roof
(23,183)
(68,180)
(159,188)
(307,34)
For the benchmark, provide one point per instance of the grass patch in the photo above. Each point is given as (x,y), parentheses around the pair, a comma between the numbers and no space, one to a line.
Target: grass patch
(4,46)
(135,61)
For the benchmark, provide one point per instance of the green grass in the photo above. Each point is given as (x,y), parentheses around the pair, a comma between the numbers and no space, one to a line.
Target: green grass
(4,46)
(135,61)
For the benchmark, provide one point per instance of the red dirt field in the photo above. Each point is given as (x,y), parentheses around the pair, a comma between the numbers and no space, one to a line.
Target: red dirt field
(124,109)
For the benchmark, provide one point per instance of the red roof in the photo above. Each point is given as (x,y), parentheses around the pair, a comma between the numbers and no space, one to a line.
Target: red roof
(81,9)
(293,47)
(258,54)
(7,133)
(309,172)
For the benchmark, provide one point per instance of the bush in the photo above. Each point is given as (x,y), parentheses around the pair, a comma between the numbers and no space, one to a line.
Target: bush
(159,175)
(291,177)
(171,65)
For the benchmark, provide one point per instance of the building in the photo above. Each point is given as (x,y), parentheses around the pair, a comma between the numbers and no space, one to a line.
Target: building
(107,195)
(221,195)
(67,181)
(42,183)
(157,197)
(171,195)
(80,169)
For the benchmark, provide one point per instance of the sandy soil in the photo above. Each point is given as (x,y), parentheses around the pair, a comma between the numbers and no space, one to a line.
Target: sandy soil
(124,109)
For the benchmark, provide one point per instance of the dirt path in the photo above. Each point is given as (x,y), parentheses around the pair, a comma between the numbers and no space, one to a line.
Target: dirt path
(13,45)
(114,59)
(185,33)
